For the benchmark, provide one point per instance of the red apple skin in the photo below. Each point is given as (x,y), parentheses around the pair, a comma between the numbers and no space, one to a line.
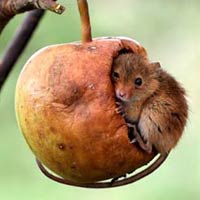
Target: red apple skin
(65,107)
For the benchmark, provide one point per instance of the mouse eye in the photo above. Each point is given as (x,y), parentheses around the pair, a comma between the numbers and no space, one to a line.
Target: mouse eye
(115,75)
(138,81)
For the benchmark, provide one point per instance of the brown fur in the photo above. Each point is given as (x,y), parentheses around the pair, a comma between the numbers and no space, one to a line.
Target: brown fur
(158,106)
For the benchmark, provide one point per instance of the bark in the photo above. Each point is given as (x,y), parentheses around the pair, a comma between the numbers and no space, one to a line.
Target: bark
(19,42)
(8,9)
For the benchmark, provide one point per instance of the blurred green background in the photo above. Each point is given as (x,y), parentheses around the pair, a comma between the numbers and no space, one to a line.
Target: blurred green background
(170,31)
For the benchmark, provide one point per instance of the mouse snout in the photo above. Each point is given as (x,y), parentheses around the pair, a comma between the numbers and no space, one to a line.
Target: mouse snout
(123,95)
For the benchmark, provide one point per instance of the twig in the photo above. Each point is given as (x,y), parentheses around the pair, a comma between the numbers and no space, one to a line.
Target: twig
(9,8)
(18,44)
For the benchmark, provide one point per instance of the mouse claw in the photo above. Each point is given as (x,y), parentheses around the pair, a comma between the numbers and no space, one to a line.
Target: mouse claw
(119,109)
(123,115)
(133,141)
(130,125)
(118,103)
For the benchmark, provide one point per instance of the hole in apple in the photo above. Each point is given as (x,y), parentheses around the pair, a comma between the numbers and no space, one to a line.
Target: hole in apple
(131,134)
(124,51)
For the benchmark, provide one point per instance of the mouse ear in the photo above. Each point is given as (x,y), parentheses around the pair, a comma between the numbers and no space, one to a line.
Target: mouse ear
(154,65)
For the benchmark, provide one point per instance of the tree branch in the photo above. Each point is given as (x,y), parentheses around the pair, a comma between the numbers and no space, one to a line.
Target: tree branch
(9,8)
(18,44)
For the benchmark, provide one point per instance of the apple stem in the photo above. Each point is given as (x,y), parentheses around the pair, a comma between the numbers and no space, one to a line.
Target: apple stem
(85,21)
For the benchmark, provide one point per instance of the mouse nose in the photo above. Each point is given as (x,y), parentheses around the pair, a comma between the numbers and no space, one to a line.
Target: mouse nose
(122,94)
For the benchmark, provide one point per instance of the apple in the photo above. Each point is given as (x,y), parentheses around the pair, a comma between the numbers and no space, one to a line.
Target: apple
(65,105)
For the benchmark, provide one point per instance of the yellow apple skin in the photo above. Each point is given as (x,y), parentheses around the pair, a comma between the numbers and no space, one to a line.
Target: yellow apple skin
(65,106)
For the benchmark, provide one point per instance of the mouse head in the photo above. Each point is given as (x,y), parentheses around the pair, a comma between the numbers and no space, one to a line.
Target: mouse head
(134,78)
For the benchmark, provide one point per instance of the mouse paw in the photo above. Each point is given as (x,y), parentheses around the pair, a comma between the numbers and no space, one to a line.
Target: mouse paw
(145,145)
(119,109)
(148,147)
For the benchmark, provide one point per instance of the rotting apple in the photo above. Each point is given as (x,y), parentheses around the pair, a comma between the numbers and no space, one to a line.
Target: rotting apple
(65,105)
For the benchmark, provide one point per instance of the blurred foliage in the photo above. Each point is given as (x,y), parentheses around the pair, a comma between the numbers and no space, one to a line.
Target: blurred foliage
(169,30)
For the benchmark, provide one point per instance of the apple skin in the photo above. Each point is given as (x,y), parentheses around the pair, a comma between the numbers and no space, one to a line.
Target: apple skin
(65,106)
